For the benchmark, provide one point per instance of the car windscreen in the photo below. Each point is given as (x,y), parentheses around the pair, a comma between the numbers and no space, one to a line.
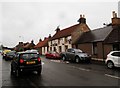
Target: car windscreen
(29,56)
(78,50)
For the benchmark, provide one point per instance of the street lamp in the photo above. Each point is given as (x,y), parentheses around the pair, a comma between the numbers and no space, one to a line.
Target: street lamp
(21,38)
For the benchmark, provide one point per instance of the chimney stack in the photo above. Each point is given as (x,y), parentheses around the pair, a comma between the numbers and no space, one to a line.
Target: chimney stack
(82,19)
(49,36)
(57,29)
(115,19)
(40,40)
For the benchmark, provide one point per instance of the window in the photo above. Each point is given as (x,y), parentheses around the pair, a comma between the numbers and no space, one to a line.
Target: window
(95,48)
(58,41)
(54,49)
(60,49)
(47,48)
(116,54)
(29,56)
(50,48)
(65,39)
(66,47)
(44,50)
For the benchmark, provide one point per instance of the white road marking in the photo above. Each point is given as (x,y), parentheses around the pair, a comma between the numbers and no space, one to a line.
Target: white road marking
(83,69)
(112,76)
(55,60)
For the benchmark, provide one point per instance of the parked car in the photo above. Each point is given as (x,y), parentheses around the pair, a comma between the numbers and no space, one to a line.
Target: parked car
(75,55)
(113,59)
(26,61)
(53,55)
(4,52)
(10,55)
(0,51)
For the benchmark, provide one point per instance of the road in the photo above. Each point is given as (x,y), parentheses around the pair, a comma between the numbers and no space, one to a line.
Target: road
(59,73)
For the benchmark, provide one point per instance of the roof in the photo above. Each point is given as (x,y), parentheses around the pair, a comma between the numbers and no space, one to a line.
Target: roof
(42,43)
(65,32)
(29,45)
(95,35)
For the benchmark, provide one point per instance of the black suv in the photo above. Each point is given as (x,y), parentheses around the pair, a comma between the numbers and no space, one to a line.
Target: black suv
(26,61)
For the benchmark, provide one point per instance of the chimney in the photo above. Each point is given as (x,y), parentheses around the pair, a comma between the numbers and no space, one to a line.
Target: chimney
(115,19)
(20,43)
(82,19)
(57,29)
(45,38)
(40,40)
(49,36)
(32,41)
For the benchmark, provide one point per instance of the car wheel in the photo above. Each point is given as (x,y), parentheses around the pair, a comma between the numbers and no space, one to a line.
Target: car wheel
(11,70)
(110,64)
(77,59)
(89,61)
(5,59)
(63,58)
(39,72)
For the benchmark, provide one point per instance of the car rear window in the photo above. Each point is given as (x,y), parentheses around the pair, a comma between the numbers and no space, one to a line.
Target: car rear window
(29,56)
(116,54)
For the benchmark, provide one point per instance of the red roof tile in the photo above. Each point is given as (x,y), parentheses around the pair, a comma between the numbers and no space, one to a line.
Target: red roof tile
(68,31)
(65,32)
(42,43)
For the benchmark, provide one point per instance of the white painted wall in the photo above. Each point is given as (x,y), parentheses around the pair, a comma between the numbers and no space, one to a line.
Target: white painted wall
(62,44)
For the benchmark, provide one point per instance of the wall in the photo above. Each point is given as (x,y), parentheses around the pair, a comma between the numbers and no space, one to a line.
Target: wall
(86,47)
(60,42)
(107,49)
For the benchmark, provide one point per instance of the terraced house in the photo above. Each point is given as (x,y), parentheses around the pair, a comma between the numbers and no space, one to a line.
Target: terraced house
(65,38)
(101,41)
(42,45)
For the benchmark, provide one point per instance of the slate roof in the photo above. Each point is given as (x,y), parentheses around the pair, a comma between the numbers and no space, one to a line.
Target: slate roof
(95,35)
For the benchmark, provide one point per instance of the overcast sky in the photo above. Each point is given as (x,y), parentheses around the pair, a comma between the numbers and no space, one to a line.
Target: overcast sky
(26,21)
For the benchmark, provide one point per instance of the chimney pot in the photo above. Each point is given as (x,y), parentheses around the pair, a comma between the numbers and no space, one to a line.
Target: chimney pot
(115,19)
(82,19)
(57,29)
(83,16)
(114,14)
(40,40)
(80,16)
(49,35)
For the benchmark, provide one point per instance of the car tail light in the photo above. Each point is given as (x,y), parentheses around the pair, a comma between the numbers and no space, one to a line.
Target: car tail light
(39,59)
(21,61)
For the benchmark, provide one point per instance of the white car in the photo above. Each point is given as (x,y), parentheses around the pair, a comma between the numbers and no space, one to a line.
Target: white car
(113,59)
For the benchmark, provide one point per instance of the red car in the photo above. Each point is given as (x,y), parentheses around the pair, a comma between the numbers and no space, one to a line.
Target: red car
(53,55)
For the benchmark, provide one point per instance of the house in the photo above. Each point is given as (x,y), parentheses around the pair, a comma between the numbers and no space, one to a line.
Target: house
(101,41)
(24,46)
(64,39)
(42,46)
(20,46)
(29,46)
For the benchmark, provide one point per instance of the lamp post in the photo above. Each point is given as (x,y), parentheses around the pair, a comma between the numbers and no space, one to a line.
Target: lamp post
(21,38)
